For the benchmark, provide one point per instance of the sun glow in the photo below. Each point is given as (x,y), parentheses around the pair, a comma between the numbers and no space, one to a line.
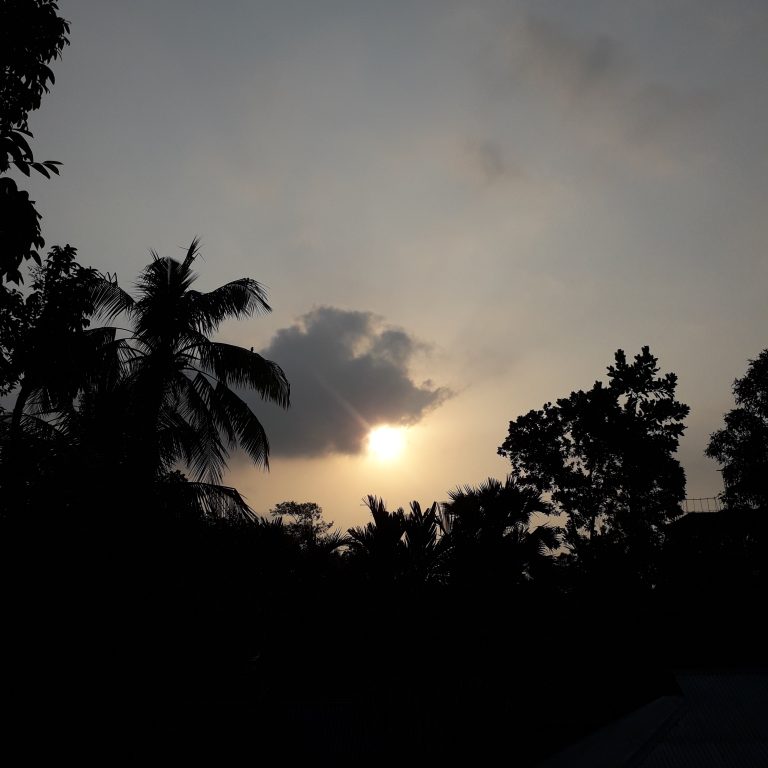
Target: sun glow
(386,443)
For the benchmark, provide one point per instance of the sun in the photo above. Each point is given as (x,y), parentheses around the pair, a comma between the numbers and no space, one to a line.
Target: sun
(386,443)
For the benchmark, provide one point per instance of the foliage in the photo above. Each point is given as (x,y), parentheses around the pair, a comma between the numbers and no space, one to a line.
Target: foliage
(41,336)
(14,324)
(490,535)
(741,447)
(31,36)
(306,524)
(606,456)
(424,545)
(378,545)
(131,408)
(398,546)
(50,356)
(180,386)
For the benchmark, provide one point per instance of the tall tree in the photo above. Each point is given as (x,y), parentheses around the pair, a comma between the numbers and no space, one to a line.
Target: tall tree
(44,335)
(133,404)
(741,447)
(180,387)
(31,36)
(49,356)
(606,456)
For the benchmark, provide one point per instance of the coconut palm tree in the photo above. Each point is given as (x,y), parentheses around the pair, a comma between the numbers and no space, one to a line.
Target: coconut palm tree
(135,403)
(179,390)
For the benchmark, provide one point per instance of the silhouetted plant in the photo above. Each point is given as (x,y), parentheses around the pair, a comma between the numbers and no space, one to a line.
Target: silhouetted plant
(138,406)
(424,545)
(399,546)
(606,456)
(378,545)
(31,36)
(306,523)
(489,533)
(46,348)
(50,356)
(180,386)
(741,447)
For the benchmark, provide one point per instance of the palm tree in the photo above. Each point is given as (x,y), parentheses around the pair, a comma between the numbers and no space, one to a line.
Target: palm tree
(179,388)
(378,545)
(490,535)
(399,545)
(425,547)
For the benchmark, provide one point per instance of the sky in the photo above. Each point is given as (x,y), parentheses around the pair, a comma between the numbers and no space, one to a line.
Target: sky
(461,211)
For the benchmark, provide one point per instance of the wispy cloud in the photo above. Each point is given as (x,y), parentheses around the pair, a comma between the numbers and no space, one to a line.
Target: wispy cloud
(489,162)
(600,93)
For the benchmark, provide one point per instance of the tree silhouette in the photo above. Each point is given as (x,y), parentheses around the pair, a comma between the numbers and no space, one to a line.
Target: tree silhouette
(306,521)
(49,355)
(489,533)
(45,341)
(31,36)
(741,447)
(130,408)
(378,545)
(425,546)
(178,386)
(606,456)
(399,546)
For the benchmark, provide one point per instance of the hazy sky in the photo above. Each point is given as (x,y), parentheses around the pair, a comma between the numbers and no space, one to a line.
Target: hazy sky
(461,210)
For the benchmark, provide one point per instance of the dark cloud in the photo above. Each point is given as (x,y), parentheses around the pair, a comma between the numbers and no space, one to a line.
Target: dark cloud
(489,162)
(545,50)
(347,374)
(598,84)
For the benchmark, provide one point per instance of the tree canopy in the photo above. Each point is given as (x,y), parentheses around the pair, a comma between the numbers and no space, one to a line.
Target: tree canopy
(32,34)
(606,455)
(306,523)
(741,446)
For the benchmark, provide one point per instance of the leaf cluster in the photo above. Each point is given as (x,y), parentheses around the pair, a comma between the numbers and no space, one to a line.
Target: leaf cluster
(741,446)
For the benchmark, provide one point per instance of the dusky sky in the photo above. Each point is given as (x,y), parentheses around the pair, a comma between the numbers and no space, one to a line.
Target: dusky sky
(460,210)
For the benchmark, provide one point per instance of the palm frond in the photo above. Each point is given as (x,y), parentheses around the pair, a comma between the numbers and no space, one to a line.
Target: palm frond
(546,538)
(250,433)
(192,252)
(201,403)
(33,426)
(210,501)
(198,445)
(238,367)
(237,299)
(109,300)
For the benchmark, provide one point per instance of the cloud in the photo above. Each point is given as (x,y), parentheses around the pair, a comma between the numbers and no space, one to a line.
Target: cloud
(489,163)
(347,373)
(600,90)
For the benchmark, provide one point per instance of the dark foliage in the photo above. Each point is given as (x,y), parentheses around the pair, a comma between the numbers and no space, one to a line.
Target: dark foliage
(306,523)
(741,447)
(32,35)
(491,537)
(123,408)
(606,456)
